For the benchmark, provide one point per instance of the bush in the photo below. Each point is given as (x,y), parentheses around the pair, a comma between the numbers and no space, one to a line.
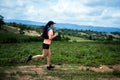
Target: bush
(116,73)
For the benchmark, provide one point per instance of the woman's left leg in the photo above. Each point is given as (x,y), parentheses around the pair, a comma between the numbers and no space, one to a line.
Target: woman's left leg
(48,58)
(49,66)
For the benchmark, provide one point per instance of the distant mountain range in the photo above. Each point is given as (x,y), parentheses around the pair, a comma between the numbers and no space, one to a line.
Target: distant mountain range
(67,26)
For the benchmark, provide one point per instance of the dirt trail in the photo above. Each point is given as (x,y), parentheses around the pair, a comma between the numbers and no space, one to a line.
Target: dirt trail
(34,72)
(102,68)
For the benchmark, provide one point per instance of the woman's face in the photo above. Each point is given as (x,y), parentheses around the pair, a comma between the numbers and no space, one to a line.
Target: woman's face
(52,25)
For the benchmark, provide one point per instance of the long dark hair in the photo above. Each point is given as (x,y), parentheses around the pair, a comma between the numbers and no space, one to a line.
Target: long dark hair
(48,25)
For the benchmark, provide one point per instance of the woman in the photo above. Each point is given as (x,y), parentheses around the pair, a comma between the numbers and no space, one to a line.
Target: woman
(48,36)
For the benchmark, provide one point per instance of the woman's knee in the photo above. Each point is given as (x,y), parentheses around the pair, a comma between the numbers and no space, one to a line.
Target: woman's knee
(43,56)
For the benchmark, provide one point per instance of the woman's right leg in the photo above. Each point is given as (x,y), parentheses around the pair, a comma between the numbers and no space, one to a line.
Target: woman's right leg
(44,54)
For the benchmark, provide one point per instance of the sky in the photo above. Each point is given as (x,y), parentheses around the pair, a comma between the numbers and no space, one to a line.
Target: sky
(104,13)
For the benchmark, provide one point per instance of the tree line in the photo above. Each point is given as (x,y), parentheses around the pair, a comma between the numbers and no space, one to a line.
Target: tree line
(91,35)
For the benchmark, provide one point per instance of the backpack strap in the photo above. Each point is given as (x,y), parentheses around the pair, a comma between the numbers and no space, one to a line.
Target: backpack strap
(48,29)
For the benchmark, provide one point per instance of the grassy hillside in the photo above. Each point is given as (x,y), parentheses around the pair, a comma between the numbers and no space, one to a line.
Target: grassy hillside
(91,35)
(84,53)
(16,33)
(8,37)
(79,58)
(70,59)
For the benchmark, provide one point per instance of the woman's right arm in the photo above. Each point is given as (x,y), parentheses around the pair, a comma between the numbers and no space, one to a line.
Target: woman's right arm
(50,34)
(56,34)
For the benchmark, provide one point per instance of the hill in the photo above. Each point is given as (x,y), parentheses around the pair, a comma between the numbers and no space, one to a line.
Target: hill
(73,61)
(68,26)
(64,34)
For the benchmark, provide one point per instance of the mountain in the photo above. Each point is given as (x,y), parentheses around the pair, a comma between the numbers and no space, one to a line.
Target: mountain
(87,27)
(68,26)
(27,22)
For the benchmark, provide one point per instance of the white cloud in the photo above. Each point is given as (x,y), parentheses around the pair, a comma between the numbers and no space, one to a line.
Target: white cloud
(87,12)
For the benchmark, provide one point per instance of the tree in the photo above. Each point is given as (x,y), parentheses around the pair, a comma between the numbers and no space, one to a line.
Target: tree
(90,37)
(1,21)
(110,37)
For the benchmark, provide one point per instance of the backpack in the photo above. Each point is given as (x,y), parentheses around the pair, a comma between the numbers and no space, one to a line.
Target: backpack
(45,33)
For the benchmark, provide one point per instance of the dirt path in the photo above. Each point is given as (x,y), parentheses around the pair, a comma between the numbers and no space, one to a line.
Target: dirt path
(35,72)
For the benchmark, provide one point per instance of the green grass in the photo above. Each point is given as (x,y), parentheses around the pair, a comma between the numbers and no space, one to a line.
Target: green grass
(78,39)
(7,37)
(83,53)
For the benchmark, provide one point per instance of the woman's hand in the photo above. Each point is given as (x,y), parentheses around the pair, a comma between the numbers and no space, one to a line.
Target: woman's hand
(56,34)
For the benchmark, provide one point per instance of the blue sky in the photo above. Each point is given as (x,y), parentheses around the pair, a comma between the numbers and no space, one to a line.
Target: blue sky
(83,12)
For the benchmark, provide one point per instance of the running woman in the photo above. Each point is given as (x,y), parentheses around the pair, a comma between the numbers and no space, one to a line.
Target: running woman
(48,35)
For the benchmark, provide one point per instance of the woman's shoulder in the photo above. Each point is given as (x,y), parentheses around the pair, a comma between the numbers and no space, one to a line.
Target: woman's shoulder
(51,30)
